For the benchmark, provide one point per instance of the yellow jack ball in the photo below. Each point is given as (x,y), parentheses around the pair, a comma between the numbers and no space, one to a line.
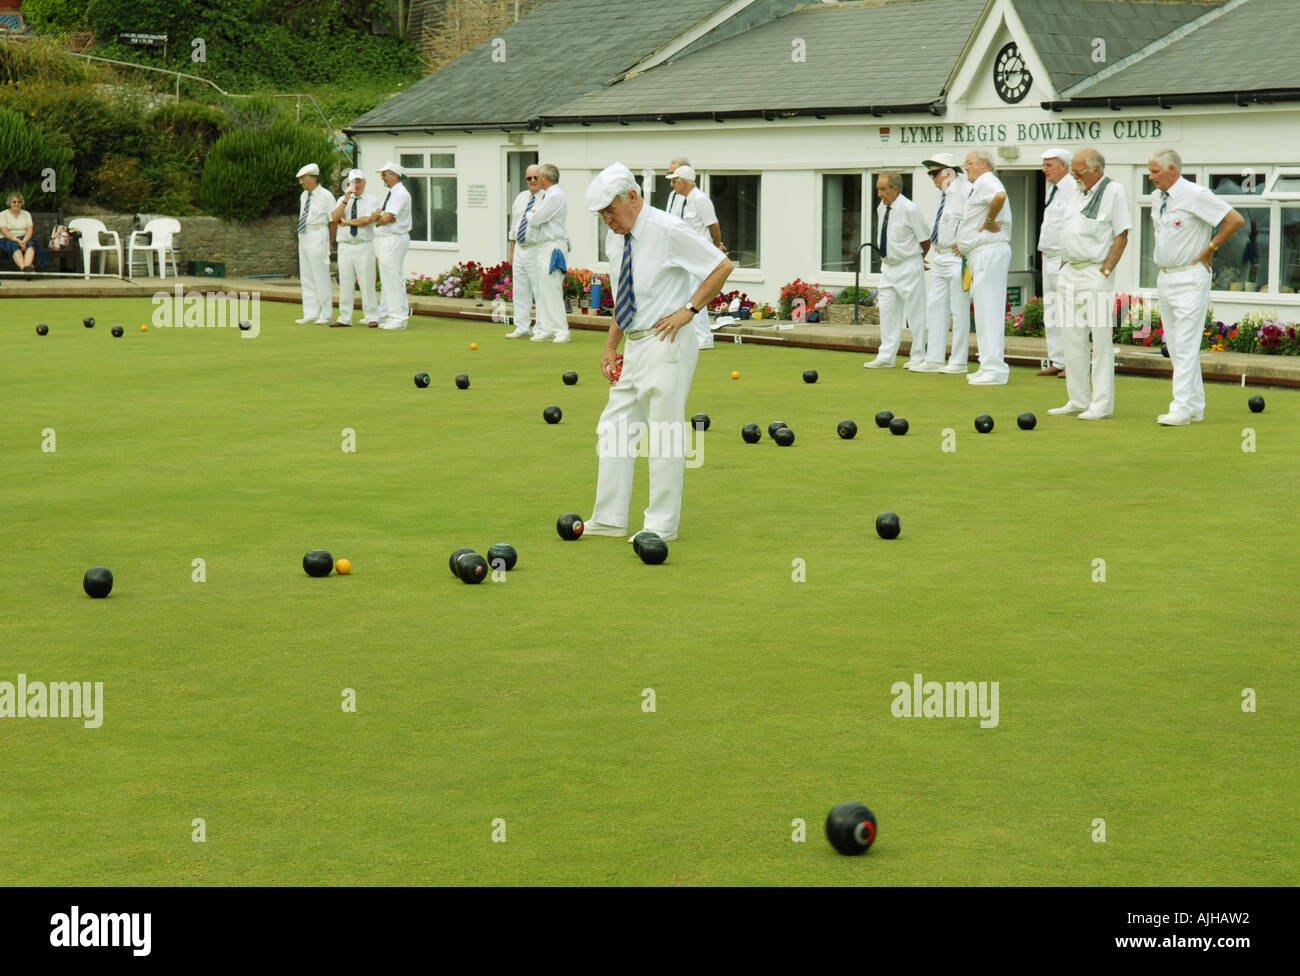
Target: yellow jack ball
(735,374)
(144,328)
(473,345)
(343,567)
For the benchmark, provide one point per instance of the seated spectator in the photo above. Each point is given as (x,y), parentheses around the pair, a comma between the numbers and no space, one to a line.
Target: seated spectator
(16,235)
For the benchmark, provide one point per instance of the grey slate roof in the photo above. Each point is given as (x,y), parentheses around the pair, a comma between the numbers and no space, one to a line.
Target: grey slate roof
(1062,31)
(857,56)
(1250,48)
(551,55)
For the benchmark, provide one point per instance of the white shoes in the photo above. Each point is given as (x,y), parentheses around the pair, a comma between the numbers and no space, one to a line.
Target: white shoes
(600,528)
(878,364)
(1069,410)
(303,321)
(925,367)
(563,338)
(518,334)
(666,536)
(392,328)
(324,321)
(1174,419)
(985,379)
(956,368)
(539,337)
(1094,413)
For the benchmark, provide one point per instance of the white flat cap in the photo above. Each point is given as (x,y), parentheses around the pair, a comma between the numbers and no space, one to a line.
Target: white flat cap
(392,167)
(1064,155)
(609,183)
(683,172)
(942,161)
(311,169)
(353,174)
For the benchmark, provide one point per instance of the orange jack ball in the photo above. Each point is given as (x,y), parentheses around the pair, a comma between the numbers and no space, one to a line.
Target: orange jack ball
(735,374)
(343,567)
(144,328)
(473,345)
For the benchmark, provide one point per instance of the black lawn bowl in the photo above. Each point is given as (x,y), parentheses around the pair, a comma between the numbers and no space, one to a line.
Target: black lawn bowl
(1164,350)
(810,376)
(847,429)
(1256,404)
(851,828)
(751,434)
(773,427)
(552,414)
(653,550)
(898,426)
(505,553)
(422,380)
(318,562)
(784,437)
(569,526)
(887,525)
(42,329)
(701,421)
(98,582)
(117,331)
(451,563)
(883,418)
(984,423)
(471,568)
(88,322)
(641,537)
(462,381)
(570,378)
(1027,421)
(245,325)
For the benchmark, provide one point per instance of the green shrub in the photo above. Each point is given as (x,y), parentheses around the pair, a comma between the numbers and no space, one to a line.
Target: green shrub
(27,151)
(120,186)
(52,16)
(40,59)
(250,173)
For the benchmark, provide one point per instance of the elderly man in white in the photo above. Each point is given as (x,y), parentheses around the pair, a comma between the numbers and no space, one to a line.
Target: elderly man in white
(946,299)
(314,206)
(904,242)
(548,233)
(690,203)
(1184,216)
(355,237)
(984,238)
(1060,201)
(1093,240)
(392,238)
(523,253)
(666,273)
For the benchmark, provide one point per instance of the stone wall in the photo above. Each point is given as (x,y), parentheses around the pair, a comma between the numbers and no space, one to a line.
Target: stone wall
(268,246)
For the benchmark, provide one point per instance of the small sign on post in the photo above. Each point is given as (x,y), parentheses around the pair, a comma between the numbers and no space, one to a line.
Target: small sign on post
(143,39)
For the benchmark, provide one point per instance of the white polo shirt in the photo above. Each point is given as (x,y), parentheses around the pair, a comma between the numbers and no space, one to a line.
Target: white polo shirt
(547,222)
(954,205)
(698,211)
(398,203)
(907,229)
(669,260)
(318,211)
(970,232)
(362,206)
(1086,240)
(1054,214)
(1184,230)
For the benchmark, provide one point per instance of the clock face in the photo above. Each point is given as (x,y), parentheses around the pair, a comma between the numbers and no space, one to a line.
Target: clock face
(1011,78)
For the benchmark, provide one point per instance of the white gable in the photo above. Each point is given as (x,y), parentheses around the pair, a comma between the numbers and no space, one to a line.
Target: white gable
(972,86)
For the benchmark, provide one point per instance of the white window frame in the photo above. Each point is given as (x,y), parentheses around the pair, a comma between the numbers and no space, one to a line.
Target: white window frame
(428,171)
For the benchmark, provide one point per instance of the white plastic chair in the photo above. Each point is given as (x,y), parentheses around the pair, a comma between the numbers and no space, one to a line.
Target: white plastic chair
(161,232)
(90,230)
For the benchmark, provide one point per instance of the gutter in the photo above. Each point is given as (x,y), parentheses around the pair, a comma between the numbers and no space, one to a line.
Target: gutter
(936,107)
(1264,96)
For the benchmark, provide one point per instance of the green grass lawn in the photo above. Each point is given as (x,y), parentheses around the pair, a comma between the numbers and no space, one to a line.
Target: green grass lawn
(523,700)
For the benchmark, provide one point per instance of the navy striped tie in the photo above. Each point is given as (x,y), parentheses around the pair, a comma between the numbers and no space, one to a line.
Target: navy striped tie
(523,221)
(1164,201)
(302,221)
(934,234)
(354,216)
(625,307)
(884,233)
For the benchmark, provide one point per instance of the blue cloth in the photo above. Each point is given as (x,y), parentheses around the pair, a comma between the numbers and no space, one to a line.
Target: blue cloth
(557,261)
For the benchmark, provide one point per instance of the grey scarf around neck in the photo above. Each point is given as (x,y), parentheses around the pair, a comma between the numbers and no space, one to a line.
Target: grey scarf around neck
(1094,198)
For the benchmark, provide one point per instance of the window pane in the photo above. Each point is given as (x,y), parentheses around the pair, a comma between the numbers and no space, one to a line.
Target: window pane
(1290,249)
(841,220)
(442,209)
(738,202)
(875,217)
(1237,184)
(442,160)
(419,188)
(1242,263)
(411,160)
(1287,184)
(1147,269)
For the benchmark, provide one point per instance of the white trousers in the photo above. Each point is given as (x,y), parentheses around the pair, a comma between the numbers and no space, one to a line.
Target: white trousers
(651,391)
(1184,300)
(314,273)
(901,297)
(946,301)
(703,328)
(1052,311)
(357,266)
(390,249)
(989,266)
(1087,306)
(552,320)
(523,274)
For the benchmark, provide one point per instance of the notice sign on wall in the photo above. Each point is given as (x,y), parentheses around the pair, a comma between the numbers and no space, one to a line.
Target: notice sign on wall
(476,195)
(143,40)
